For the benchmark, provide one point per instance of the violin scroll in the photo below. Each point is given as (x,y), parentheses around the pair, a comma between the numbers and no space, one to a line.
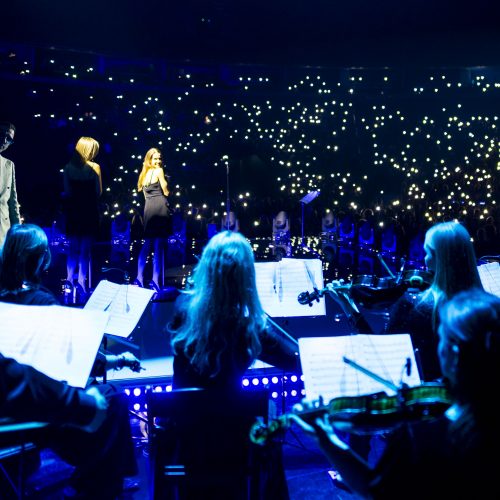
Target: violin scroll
(309,297)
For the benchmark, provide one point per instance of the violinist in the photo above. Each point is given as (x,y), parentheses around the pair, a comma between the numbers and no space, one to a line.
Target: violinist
(24,259)
(448,456)
(450,257)
(105,456)
(218,330)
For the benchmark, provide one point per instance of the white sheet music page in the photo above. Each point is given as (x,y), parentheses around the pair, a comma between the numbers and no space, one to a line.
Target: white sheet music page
(490,277)
(125,304)
(327,375)
(280,283)
(61,342)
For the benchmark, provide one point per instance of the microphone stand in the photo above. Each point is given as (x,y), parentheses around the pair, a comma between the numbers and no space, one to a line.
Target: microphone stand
(228,199)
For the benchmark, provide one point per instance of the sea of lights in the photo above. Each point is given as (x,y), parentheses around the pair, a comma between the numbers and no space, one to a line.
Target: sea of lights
(423,141)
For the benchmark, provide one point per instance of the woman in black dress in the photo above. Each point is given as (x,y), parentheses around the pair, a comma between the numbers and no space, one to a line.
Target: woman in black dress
(82,189)
(157,220)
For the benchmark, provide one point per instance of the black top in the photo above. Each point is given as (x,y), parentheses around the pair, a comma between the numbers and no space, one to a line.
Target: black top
(27,394)
(421,461)
(410,315)
(81,207)
(277,350)
(30,297)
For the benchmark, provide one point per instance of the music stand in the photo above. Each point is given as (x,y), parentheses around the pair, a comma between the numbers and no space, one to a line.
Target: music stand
(304,201)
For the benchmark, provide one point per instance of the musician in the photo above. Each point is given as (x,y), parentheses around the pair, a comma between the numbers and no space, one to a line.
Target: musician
(24,258)
(450,257)
(449,456)
(219,329)
(89,428)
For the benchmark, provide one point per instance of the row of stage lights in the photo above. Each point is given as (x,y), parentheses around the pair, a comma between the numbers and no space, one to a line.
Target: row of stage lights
(289,387)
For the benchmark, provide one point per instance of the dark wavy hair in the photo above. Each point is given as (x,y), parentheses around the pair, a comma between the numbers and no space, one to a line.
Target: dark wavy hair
(24,257)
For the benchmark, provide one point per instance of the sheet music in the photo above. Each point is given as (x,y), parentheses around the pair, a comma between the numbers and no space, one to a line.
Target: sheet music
(327,375)
(61,342)
(490,277)
(280,283)
(125,304)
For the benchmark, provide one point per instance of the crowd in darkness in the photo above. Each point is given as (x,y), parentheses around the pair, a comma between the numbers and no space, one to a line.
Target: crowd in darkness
(383,145)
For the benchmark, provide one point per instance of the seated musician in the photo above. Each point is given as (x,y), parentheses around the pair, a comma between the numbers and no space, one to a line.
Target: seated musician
(448,456)
(88,428)
(24,258)
(219,327)
(450,256)
(28,394)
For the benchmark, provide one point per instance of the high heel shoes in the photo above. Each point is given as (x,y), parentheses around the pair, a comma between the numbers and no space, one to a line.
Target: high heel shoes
(81,294)
(136,282)
(66,287)
(154,286)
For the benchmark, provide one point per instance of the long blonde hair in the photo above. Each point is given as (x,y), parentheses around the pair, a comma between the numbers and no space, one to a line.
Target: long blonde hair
(146,165)
(456,264)
(87,149)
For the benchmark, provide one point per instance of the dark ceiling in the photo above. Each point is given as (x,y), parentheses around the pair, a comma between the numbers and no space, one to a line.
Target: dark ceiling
(305,32)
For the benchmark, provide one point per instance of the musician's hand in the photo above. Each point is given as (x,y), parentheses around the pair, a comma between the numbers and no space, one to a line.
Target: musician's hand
(130,361)
(322,429)
(124,359)
(101,404)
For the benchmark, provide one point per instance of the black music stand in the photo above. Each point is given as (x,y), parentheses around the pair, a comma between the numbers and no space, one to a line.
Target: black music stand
(305,201)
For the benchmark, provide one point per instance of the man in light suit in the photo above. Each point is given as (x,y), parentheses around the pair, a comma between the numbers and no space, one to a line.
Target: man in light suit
(9,207)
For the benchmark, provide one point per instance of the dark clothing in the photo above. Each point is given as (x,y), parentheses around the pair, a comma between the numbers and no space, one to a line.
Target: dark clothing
(81,207)
(420,455)
(30,297)
(27,394)
(410,315)
(104,457)
(157,219)
(276,350)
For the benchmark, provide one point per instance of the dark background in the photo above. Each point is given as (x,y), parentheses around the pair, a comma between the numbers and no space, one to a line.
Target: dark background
(310,32)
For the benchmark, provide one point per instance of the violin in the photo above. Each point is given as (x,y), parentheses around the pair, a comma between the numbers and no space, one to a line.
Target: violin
(366,414)
(417,278)
(340,292)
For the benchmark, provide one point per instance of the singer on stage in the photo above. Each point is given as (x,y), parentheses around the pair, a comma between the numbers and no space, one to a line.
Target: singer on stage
(157,218)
